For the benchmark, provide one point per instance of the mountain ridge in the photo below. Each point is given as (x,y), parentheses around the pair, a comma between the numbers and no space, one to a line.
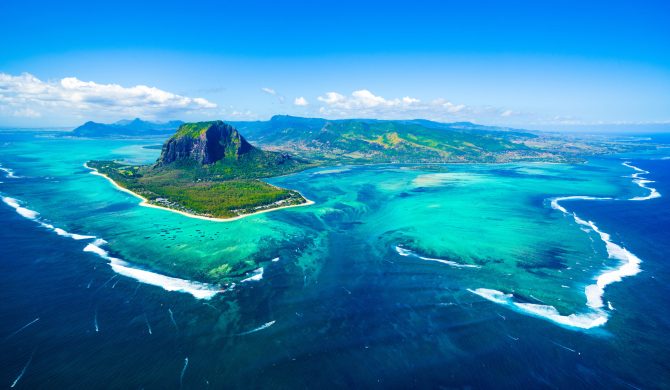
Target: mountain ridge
(125,128)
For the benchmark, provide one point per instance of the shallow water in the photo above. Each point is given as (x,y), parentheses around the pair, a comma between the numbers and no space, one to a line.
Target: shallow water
(342,306)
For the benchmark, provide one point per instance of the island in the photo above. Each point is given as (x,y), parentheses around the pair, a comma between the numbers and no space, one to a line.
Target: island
(209,170)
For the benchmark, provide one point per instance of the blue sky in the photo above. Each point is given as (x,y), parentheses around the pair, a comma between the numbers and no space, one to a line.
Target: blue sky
(543,64)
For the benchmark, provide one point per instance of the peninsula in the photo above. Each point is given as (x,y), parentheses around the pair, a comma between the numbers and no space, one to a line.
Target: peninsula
(209,170)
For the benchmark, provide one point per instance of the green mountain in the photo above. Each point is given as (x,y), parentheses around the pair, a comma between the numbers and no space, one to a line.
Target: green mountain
(209,169)
(367,140)
(125,128)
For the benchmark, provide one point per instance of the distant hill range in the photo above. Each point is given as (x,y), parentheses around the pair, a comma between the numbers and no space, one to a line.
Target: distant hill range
(376,141)
(126,128)
(368,140)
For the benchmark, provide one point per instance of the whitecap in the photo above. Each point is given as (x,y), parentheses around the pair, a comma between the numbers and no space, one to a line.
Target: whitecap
(9,173)
(406,252)
(629,265)
(642,182)
(73,236)
(256,275)
(24,212)
(264,326)
(581,321)
(33,215)
(197,289)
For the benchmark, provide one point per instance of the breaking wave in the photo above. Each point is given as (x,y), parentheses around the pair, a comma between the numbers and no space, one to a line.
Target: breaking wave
(256,275)
(9,173)
(168,283)
(642,182)
(629,265)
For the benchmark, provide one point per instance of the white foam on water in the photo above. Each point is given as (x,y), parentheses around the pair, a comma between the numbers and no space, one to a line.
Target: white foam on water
(183,371)
(580,321)
(264,326)
(197,289)
(640,170)
(95,321)
(9,173)
(172,319)
(22,328)
(556,206)
(331,171)
(23,371)
(628,265)
(34,215)
(406,252)
(642,182)
(73,236)
(257,275)
(24,212)
(146,319)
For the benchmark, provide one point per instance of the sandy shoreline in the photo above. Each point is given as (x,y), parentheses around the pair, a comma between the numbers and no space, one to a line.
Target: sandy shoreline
(145,202)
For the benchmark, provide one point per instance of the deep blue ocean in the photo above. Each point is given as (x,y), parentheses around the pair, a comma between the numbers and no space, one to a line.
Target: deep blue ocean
(68,321)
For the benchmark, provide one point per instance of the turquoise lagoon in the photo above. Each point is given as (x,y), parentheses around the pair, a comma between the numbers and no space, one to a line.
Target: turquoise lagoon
(496,240)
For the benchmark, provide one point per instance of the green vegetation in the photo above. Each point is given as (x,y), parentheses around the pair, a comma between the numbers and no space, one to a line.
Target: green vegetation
(209,169)
(361,141)
(193,130)
(404,141)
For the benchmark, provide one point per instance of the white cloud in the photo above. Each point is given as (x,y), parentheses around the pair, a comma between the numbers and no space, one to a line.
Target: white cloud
(364,103)
(363,100)
(27,96)
(332,98)
(301,101)
(27,113)
(269,91)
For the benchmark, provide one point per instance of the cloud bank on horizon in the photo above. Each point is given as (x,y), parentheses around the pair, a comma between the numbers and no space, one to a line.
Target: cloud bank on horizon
(28,97)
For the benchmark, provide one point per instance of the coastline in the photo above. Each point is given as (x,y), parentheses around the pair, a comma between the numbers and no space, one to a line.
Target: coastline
(145,202)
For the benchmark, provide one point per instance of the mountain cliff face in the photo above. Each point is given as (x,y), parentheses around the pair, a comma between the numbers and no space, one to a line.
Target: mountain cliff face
(217,151)
(205,143)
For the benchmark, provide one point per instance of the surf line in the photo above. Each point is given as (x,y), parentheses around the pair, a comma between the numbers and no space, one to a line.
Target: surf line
(9,173)
(168,283)
(629,265)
